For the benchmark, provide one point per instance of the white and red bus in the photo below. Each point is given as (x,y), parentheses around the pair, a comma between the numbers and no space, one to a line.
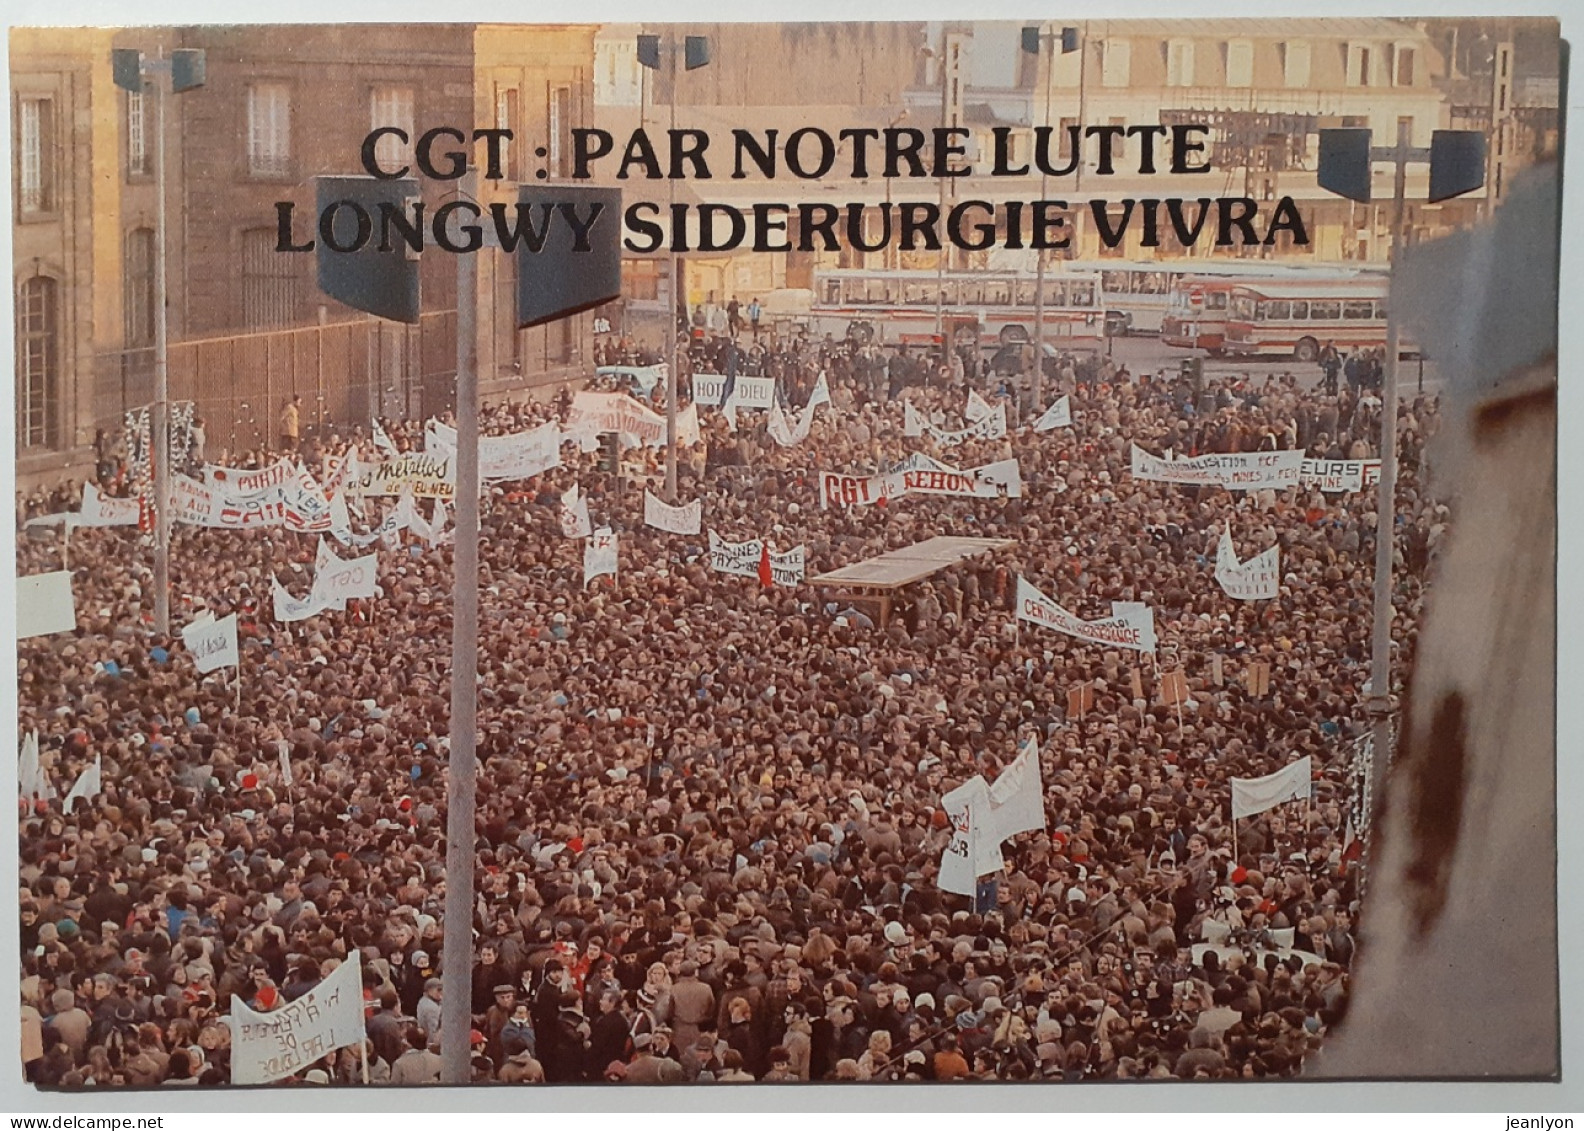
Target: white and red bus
(980,308)
(1196,313)
(1300,318)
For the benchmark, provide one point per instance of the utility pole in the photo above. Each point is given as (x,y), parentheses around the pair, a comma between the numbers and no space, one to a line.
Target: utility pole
(131,71)
(456,966)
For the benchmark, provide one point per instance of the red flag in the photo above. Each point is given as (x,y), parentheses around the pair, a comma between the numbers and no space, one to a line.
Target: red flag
(766,578)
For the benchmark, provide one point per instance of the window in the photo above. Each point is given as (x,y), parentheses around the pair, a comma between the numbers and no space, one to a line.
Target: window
(561,131)
(1114,69)
(1080,293)
(1358,65)
(1300,310)
(506,119)
(36,154)
(997,292)
(391,106)
(137,135)
(1358,308)
(1296,64)
(1056,293)
(1240,63)
(1180,62)
(269,129)
(37,366)
(269,282)
(1277,309)
(139,272)
(1403,72)
(1025,292)
(1328,311)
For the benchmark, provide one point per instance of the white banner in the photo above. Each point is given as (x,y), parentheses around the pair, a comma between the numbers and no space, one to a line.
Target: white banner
(599,555)
(1059,415)
(1017,798)
(339,471)
(1255,795)
(236,483)
(271,1046)
(90,783)
(978,408)
(45,605)
(521,455)
(440,440)
(335,580)
(688,432)
(678,520)
(1254,580)
(33,782)
(749,392)
(616,412)
(991,426)
(574,514)
(923,476)
(104,510)
(1130,626)
(1236,471)
(970,853)
(213,643)
(381,440)
(787,434)
(289,608)
(743,559)
(1338,475)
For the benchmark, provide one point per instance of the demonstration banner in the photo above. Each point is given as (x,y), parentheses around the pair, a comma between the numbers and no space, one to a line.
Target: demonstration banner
(237,483)
(90,783)
(616,412)
(923,476)
(45,605)
(978,408)
(1017,797)
(426,476)
(574,514)
(339,471)
(32,779)
(991,426)
(787,434)
(1236,471)
(1131,625)
(104,510)
(440,440)
(687,519)
(212,643)
(1255,795)
(336,580)
(266,1047)
(1334,476)
(688,432)
(599,555)
(521,455)
(381,440)
(748,392)
(744,559)
(1059,415)
(1254,580)
(289,609)
(972,852)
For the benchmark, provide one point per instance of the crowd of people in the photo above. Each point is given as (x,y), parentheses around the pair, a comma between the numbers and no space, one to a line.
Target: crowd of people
(709,811)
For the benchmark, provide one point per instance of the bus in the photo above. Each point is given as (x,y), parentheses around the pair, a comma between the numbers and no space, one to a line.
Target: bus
(976,308)
(1196,313)
(1301,317)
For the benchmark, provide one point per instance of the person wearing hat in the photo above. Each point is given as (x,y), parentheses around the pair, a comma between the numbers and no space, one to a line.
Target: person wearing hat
(421,1063)
(653,1062)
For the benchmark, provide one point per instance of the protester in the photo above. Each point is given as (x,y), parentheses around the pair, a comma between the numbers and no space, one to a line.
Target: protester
(709,811)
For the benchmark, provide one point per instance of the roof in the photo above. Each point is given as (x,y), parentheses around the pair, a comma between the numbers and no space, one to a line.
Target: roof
(897,568)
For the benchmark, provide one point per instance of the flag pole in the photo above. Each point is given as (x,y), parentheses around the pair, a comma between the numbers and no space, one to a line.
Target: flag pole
(364,1046)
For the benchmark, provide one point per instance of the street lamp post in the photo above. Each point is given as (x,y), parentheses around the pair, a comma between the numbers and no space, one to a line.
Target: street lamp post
(695,52)
(1034,42)
(131,71)
(1457,166)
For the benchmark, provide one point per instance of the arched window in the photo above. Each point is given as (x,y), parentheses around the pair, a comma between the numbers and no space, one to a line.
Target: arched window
(38,363)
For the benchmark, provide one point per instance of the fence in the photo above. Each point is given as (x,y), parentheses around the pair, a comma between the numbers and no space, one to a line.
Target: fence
(345,372)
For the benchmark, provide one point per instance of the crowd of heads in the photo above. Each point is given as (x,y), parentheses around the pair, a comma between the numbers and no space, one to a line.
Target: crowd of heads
(709,818)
